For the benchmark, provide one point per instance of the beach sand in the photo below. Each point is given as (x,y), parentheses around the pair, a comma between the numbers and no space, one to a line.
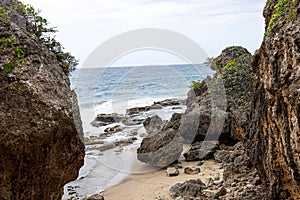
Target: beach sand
(156,184)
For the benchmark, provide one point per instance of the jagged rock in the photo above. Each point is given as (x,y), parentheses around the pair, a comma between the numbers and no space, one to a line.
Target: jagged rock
(201,151)
(273,137)
(174,122)
(192,170)
(153,124)
(222,156)
(161,149)
(190,189)
(172,171)
(41,138)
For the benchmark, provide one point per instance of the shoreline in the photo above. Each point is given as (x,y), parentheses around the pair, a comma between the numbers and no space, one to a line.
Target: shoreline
(156,184)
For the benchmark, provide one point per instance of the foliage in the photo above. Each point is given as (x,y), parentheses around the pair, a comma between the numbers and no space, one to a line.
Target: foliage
(281,8)
(197,85)
(42,33)
(5,15)
(233,66)
(8,44)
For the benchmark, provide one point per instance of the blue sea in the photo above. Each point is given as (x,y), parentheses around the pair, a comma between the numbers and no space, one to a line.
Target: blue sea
(113,90)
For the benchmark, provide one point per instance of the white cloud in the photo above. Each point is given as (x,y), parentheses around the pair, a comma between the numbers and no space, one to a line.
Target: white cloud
(213,24)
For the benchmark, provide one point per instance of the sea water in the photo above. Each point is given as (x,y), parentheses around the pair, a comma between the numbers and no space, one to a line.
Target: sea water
(113,90)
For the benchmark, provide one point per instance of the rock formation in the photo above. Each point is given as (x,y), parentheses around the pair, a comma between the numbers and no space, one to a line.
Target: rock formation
(233,67)
(40,127)
(161,149)
(273,138)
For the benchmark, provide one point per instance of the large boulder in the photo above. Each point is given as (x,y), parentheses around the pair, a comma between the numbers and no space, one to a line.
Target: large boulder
(161,149)
(41,146)
(272,141)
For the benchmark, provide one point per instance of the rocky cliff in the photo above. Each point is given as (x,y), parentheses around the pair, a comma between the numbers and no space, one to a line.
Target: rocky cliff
(40,126)
(273,138)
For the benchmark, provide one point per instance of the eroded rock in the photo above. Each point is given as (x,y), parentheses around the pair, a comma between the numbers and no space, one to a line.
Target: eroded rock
(161,149)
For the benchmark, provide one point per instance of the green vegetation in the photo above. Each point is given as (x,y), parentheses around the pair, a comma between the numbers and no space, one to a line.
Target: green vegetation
(42,33)
(283,7)
(8,44)
(5,15)
(197,85)
(233,66)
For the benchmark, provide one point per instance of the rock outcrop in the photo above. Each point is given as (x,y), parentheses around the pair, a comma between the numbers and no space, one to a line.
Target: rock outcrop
(273,138)
(40,127)
(233,67)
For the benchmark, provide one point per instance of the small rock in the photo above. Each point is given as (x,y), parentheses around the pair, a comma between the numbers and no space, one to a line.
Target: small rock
(95,197)
(192,170)
(172,171)
(177,108)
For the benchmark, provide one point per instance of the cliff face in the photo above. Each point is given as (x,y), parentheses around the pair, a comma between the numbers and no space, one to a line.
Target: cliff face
(273,139)
(40,126)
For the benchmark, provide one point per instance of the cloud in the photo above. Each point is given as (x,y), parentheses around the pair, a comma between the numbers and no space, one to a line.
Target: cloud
(213,24)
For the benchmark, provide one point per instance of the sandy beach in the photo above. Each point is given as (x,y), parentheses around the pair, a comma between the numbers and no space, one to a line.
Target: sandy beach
(156,184)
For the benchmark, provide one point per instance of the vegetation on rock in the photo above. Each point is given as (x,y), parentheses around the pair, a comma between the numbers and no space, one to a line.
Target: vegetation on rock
(234,67)
(42,33)
(286,8)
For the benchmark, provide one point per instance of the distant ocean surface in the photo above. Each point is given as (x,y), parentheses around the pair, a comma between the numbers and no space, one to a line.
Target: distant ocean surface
(115,89)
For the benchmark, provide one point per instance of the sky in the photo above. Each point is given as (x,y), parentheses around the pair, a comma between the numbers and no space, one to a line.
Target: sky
(213,24)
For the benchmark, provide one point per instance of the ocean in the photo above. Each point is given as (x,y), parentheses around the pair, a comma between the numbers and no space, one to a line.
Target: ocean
(113,90)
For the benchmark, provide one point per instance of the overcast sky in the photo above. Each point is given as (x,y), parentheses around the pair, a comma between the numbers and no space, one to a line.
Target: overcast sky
(214,24)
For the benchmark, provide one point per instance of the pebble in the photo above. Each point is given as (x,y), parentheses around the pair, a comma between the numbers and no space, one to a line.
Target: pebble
(172,171)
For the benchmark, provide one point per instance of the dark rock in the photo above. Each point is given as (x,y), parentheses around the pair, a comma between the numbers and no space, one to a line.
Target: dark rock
(111,130)
(272,141)
(192,170)
(201,151)
(188,190)
(221,192)
(172,171)
(41,138)
(110,118)
(160,149)
(153,124)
